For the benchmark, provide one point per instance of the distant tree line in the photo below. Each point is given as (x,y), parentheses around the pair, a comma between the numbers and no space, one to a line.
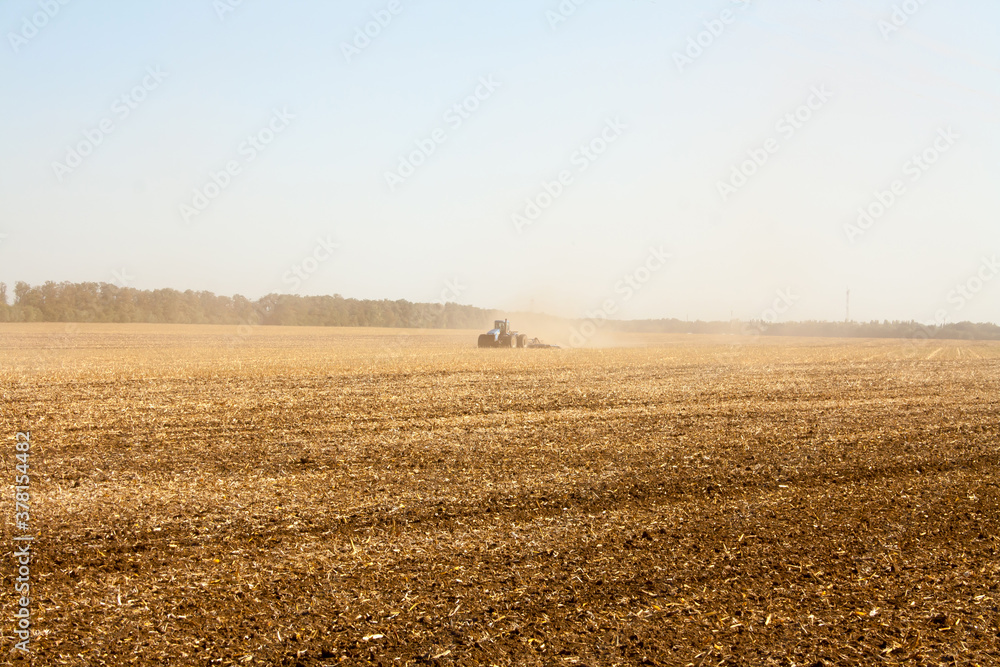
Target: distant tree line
(103,302)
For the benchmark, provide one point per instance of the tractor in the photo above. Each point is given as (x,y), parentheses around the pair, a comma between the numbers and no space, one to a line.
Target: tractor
(501,336)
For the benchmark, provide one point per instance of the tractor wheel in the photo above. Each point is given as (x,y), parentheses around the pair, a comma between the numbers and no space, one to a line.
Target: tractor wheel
(512,341)
(522,340)
(485,340)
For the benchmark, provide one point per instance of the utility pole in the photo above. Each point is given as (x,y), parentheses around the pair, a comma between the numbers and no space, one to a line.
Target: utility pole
(847,318)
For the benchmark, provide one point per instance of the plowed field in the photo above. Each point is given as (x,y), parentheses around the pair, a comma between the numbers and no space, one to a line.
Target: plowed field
(362,496)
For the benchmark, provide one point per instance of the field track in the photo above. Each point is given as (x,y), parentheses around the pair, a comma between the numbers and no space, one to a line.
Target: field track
(301,496)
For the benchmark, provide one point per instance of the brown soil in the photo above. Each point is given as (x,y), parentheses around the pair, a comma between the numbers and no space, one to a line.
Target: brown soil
(321,497)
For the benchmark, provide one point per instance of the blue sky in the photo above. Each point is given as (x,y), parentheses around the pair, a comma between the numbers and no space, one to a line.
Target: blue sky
(188,87)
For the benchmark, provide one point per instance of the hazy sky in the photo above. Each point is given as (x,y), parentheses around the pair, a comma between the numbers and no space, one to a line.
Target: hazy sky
(665,158)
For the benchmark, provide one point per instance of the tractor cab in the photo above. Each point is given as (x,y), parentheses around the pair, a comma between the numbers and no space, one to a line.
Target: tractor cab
(500,326)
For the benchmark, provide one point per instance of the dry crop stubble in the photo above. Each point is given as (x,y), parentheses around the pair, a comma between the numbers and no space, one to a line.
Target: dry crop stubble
(318,496)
